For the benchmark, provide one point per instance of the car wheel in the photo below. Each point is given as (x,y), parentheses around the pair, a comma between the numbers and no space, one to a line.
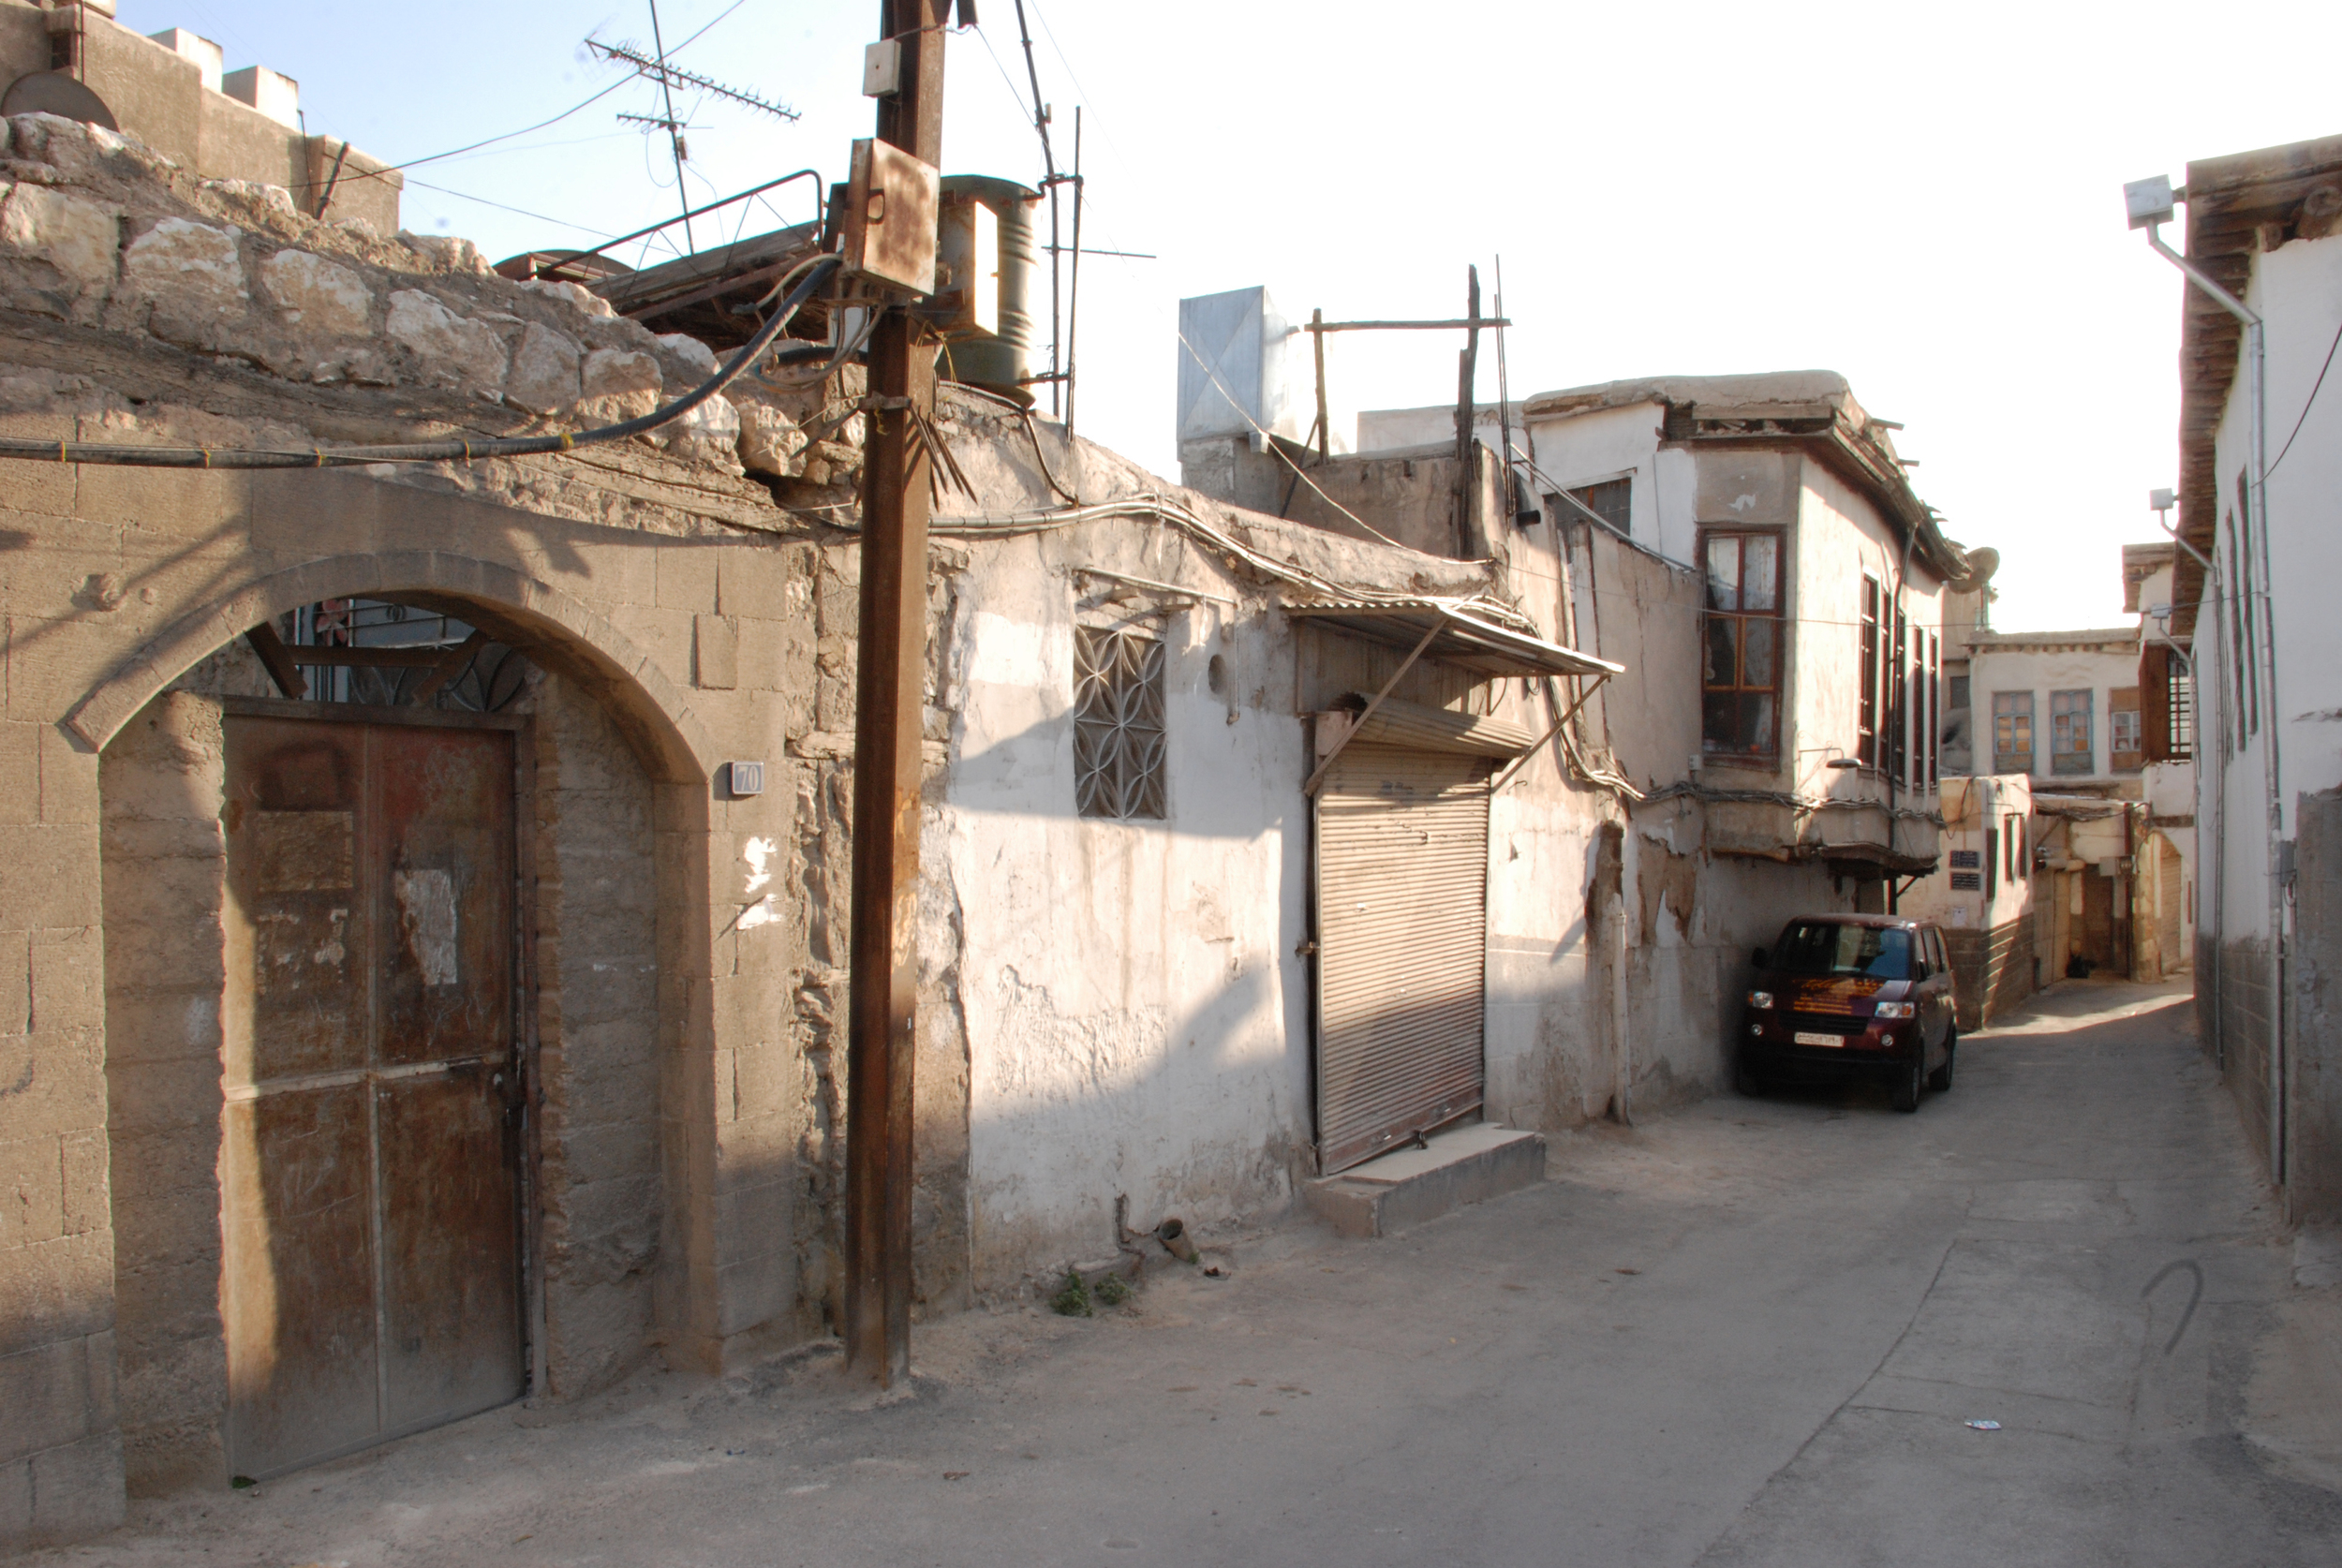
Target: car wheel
(1940,1080)
(1911,1083)
(1746,1077)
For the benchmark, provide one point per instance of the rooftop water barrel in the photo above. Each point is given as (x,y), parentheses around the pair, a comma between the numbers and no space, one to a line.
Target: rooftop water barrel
(1000,364)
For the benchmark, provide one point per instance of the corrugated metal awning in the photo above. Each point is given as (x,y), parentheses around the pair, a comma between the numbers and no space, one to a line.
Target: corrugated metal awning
(1456,636)
(1391,722)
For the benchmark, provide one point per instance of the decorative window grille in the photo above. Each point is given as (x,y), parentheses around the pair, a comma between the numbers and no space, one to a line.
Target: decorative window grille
(1118,724)
(1741,674)
(2012,732)
(2073,744)
(2181,716)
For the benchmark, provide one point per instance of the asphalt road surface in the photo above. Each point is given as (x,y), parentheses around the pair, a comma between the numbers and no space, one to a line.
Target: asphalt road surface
(1755,1332)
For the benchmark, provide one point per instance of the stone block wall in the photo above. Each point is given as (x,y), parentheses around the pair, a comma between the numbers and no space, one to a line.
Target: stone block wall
(1991,971)
(165,867)
(2243,1002)
(59,1450)
(2314,1030)
(602,1201)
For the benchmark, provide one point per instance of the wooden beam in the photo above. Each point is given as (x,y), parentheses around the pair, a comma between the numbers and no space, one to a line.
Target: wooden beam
(1464,324)
(278,661)
(451,662)
(1317,778)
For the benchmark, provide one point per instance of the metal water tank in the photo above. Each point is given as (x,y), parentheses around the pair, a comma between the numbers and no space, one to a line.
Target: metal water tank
(1002,363)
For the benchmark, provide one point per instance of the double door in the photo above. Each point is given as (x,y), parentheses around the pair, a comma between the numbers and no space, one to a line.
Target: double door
(370,1153)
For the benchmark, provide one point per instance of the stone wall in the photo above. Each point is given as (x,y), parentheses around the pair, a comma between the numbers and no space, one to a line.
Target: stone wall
(1991,971)
(602,1201)
(60,1451)
(165,879)
(2243,1001)
(2314,1030)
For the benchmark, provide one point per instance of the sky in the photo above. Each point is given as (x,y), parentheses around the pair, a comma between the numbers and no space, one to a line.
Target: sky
(1927,199)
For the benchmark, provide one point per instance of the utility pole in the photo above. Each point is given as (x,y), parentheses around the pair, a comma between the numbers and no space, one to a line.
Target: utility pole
(675,126)
(884,949)
(1467,376)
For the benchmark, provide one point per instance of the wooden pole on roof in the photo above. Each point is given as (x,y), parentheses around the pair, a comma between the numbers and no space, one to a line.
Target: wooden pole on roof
(1467,378)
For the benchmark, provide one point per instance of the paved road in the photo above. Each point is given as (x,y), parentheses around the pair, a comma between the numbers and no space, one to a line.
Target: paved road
(1748,1334)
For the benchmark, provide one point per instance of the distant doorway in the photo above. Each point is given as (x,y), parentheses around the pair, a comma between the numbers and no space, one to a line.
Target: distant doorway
(370,1166)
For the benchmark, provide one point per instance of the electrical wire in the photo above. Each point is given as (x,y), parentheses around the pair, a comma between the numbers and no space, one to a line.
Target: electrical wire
(2313,399)
(523,212)
(808,278)
(490,141)
(1264,435)
(507,136)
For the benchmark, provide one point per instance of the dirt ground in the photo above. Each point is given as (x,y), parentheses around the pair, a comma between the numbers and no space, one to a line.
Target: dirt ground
(1755,1332)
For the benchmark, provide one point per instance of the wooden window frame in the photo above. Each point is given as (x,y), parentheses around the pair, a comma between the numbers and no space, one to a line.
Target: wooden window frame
(2032,740)
(2062,757)
(1767,751)
(1866,711)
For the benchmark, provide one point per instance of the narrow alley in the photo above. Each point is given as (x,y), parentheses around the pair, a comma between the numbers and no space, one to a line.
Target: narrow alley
(1756,1331)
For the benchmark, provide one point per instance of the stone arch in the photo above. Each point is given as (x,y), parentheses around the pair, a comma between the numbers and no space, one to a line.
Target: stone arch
(168,1440)
(560,632)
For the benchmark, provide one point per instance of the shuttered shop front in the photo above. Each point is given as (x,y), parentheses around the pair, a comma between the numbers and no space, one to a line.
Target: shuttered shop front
(1401,857)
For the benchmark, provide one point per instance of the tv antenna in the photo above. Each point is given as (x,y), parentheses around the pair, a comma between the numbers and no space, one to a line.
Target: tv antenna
(655,66)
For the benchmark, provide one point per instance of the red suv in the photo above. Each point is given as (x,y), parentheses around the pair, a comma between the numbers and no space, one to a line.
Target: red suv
(1850,995)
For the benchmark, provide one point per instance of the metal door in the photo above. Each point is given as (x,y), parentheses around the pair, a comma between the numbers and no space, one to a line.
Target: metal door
(1402,853)
(371,1270)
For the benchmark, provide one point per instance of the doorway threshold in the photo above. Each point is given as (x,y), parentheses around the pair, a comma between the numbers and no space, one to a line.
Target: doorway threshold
(1408,1186)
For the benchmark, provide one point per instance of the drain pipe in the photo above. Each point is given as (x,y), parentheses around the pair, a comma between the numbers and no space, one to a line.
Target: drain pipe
(2149,203)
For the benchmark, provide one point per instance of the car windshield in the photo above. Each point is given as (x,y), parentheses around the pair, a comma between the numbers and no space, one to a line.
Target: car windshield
(1821,947)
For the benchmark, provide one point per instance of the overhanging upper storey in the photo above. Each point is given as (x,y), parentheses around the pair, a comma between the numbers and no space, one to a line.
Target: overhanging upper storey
(2238,207)
(1811,411)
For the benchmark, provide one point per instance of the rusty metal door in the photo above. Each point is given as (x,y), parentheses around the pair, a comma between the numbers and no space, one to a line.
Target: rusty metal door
(368,1174)
(1401,853)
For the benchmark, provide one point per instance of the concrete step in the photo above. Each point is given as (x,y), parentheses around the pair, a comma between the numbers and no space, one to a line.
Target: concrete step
(1409,1186)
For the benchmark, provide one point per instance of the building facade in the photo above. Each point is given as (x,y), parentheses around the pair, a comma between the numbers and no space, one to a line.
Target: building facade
(2266,225)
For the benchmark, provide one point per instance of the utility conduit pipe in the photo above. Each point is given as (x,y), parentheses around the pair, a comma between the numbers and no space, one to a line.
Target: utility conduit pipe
(2256,554)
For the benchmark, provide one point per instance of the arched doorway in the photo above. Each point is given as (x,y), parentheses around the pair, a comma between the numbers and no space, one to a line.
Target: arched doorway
(385,1028)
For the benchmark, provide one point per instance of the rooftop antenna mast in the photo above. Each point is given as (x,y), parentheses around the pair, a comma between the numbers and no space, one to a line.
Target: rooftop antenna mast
(1048,162)
(675,130)
(655,66)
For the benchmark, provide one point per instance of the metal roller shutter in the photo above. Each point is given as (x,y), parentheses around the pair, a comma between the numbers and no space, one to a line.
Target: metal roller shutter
(1402,890)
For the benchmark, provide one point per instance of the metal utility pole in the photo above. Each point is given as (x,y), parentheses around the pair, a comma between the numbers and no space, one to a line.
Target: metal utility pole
(1049,183)
(1467,378)
(883,961)
(675,126)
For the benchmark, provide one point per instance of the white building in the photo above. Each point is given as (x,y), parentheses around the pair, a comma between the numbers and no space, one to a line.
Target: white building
(2061,708)
(2266,226)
